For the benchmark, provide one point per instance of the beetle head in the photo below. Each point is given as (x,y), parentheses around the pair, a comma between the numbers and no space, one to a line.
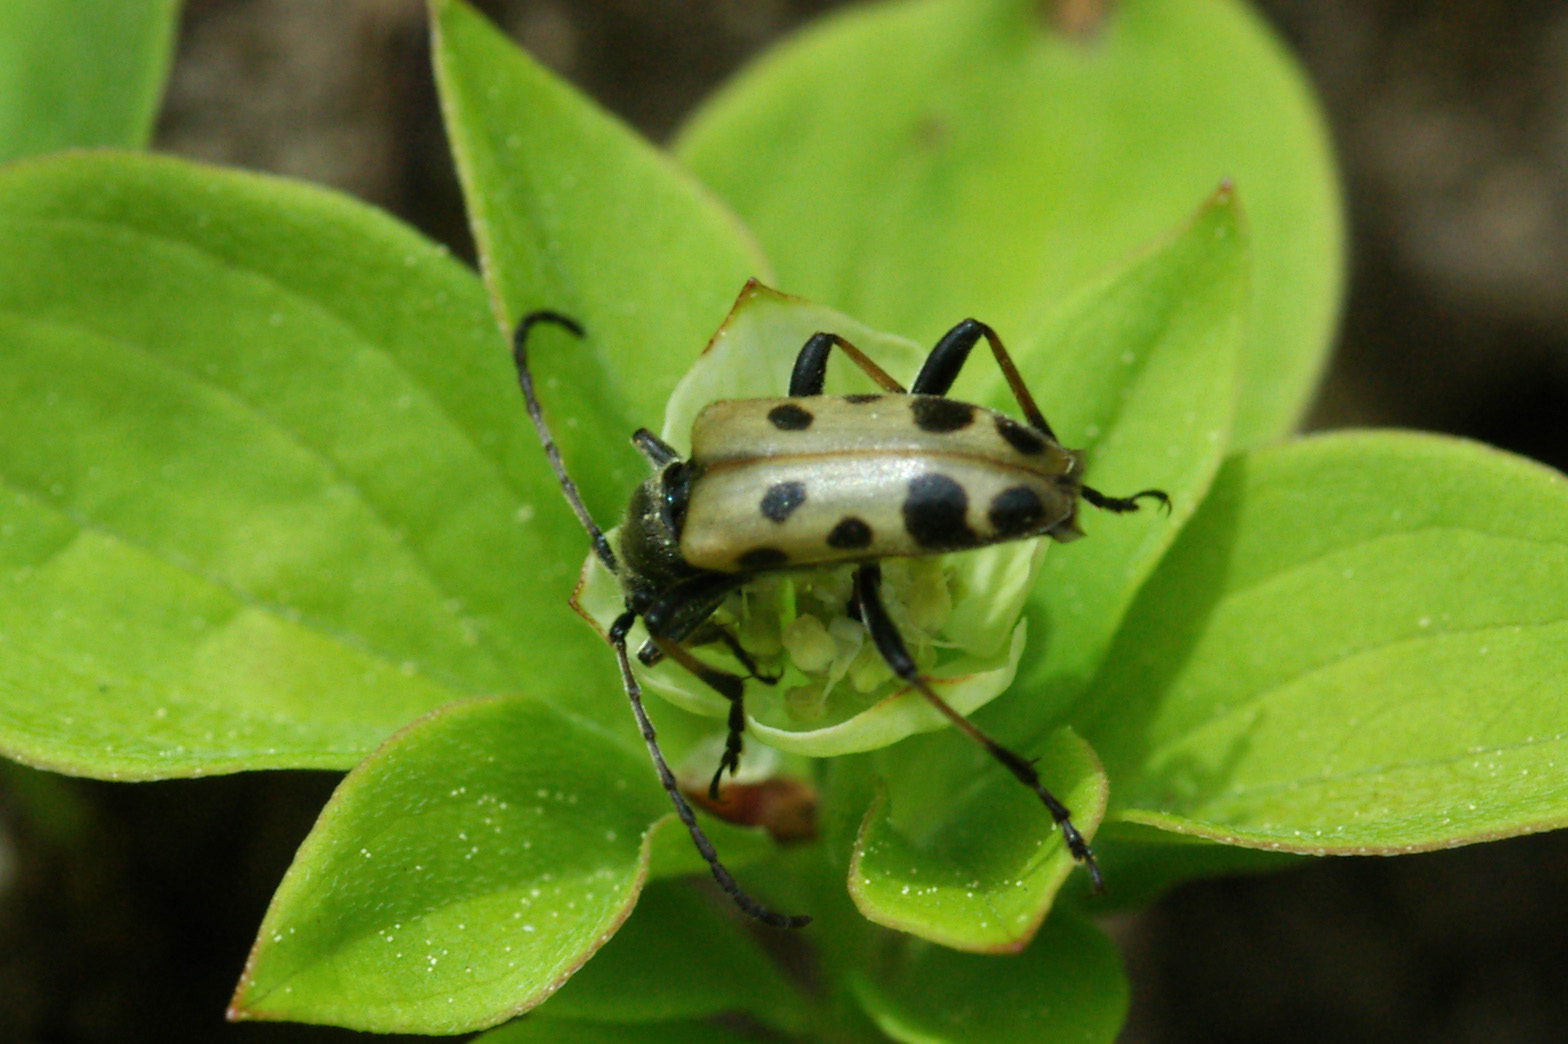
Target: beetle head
(650,536)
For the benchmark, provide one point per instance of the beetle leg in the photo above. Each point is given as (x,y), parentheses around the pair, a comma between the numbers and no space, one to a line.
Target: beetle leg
(868,578)
(1121,505)
(601,546)
(811,366)
(684,608)
(941,368)
(726,882)
(670,626)
(732,688)
(711,632)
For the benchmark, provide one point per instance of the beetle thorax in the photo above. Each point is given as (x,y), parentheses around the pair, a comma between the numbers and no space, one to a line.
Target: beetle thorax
(649,538)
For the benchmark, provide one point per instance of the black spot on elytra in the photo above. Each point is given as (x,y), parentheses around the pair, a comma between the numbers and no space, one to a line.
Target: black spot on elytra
(858,400)
(850,534)
(1024,440)
(1016,511)
(934,513)
(937,415)
(790,417)
(782,498)
(762,558)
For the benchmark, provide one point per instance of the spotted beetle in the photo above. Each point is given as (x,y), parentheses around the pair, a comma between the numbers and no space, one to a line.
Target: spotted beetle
(810,480)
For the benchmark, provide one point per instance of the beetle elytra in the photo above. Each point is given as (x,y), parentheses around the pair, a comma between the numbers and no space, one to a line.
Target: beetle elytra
(809,480)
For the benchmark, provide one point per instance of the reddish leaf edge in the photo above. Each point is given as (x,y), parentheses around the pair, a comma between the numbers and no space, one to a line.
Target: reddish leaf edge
(1088,819)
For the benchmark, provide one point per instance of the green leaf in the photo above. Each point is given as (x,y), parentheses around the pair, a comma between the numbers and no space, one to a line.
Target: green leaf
(267,491)
(458,876)
(681,955)
(559,1031)
(573,212)
(982,881)
(1150,358)
(1068,986)
(1358,645)
(915,163)
(84,74)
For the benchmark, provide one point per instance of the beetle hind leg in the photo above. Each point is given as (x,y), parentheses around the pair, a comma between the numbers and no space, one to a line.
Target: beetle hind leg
(868,579)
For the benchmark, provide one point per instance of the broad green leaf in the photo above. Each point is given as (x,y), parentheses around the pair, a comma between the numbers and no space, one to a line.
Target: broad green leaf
(1152,354)
(680,955)
(458,876)
(559,1031)
(267,491)
(1068,986)
(983,881)
(1358,645)
(81,74)
(914,163)
(573,212)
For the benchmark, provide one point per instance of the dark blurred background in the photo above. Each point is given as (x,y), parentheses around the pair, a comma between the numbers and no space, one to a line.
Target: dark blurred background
(125,912)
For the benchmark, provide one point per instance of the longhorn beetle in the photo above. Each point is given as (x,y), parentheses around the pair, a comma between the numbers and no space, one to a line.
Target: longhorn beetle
(810,480)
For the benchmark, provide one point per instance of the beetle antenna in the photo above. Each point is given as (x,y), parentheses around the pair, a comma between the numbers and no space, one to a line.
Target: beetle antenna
(726,882)
(601,546)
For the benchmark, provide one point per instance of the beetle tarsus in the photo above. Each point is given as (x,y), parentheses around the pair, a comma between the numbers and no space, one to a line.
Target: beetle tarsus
(1122,505)
(1024,771)
(733,744)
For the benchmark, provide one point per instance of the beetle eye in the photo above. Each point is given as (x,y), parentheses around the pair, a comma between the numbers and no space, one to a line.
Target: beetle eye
(677,491)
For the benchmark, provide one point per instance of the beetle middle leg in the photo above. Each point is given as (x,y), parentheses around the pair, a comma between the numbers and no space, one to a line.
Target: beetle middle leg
(674,619)
(811,366)
(711,632)
(868,579)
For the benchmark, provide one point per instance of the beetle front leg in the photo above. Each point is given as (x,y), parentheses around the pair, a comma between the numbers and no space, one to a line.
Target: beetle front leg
(731,687)
(868,579)
(711,632)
